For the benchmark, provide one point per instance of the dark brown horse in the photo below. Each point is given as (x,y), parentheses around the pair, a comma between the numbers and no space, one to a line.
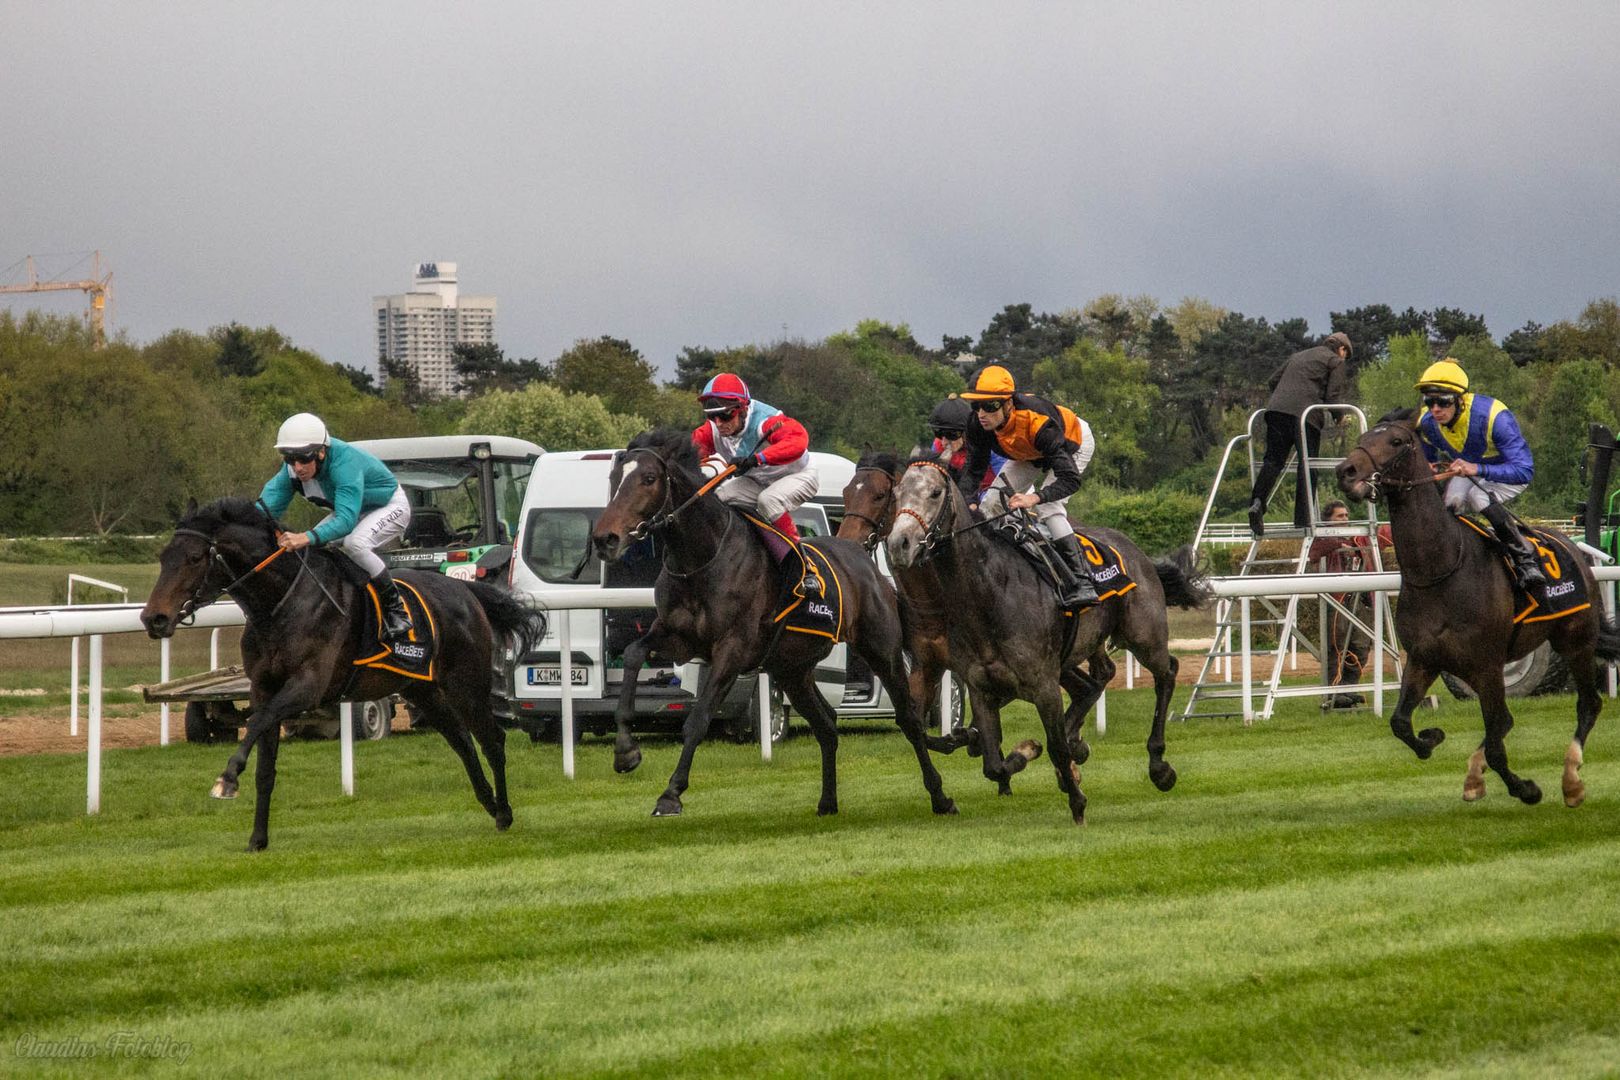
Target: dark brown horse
(868,517)
(716,599)
(304,622)
(1456,610)
(1009,638)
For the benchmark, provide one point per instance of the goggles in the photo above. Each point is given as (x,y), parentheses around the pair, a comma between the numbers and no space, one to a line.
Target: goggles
(721,410)
(299,457)
(1444,401)
(989,406)
(947,434)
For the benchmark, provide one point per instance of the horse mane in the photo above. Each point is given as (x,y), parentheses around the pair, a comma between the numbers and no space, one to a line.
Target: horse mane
(230,510)
(885,460)
(675,446)
(1408,414)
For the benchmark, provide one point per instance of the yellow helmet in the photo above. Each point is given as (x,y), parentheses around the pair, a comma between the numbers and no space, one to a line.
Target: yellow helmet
(1447,374)
(990,384)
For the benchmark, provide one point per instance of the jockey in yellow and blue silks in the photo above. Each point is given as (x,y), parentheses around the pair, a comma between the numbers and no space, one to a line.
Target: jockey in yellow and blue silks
(1486,460)
(369,509)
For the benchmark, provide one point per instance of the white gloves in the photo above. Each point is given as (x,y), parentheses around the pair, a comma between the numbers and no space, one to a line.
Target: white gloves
(713,466)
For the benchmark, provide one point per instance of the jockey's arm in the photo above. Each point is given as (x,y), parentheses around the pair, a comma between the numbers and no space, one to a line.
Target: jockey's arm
(1057,454)
(278,492)
(346,502)
(1517,466)
(783,440)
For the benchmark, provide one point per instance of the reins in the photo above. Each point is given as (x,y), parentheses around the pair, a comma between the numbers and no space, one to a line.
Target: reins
(1379,487)
(937,532)
(188,610)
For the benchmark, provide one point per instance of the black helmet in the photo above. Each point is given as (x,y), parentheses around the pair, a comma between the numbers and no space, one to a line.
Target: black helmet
(952,414)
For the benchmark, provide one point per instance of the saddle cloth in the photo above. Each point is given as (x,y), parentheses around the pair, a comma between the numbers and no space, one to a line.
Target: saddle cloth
(1565,593)
(413,659)
(1107,567)
(810,594)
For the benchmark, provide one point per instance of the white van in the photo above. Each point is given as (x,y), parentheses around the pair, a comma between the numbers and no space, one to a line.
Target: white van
(567,492)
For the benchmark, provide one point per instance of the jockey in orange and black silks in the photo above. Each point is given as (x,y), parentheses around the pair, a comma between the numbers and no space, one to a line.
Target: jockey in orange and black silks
(1041,440)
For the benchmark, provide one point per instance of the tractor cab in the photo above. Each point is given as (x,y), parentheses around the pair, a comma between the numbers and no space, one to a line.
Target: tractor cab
(466,495)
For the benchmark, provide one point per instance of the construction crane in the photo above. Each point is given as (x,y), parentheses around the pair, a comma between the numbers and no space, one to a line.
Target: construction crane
(96,287)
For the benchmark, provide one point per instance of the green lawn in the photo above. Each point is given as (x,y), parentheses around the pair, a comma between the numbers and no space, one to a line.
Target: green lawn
(1309,900)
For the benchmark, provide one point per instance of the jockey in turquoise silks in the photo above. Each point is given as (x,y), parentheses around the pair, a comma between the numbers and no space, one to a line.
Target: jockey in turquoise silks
(369,510)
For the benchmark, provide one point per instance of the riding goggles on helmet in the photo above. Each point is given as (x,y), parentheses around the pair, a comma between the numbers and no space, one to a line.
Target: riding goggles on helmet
(300,457)
(1444,401)
(947,434)
(989,406)
(721,410)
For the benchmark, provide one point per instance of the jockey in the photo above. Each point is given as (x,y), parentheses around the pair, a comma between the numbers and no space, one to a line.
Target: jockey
(1488,461)
(369,509)
(1038,438)
(771,452)
(949,422)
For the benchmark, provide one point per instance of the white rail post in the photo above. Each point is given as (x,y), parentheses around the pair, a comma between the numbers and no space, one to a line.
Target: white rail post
(1379,600)
(213,648)
(73,689)
(163,676)
(1248,664)
(945,690)
(565,639)
(1102,713)
(764,684)
(346,745)
(1130,670)
(93,766)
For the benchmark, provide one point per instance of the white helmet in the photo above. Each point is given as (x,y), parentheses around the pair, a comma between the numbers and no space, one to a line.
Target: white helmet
(300,432)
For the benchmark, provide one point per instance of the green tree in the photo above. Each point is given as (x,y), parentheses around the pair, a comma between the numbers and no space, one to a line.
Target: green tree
(1194,318)
(1370,329)
(1112,392)
(1572,396)
(482,368)
(609,368)
(695,367)
(1387,384)
(1449,324)
(555,419)
(1018,339)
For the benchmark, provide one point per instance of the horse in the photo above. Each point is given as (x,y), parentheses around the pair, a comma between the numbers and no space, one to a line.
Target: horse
(1009,637)
(1456,610)
(304,623)
(716,601)
(868,516)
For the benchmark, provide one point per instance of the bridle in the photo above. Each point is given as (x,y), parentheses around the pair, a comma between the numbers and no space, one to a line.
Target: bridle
(1376,484)
(200,596)
(668,512)
(875,537)
(938,532)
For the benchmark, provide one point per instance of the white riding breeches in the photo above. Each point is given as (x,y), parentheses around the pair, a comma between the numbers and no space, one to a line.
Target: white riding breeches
(770,497)
(1026,476)
(1472,493)
(377,530)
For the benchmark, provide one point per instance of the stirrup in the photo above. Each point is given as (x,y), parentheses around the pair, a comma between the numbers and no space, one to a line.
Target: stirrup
(811,585)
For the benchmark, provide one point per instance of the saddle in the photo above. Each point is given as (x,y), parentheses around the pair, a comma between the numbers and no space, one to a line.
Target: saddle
(414,658)
(1565,593)
(810,594)
(1106,566)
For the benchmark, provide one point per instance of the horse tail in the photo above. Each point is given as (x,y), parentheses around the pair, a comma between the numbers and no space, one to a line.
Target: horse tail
(524,620)
(1608,639)
(1185,585)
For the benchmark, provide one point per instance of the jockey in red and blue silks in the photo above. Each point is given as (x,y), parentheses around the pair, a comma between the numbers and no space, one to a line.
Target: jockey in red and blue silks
(770,450)
(1487,462)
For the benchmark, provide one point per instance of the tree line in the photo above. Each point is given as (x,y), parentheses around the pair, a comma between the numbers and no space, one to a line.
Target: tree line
(116,440)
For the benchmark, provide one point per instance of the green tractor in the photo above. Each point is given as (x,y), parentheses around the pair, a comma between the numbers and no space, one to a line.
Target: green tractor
(466,492)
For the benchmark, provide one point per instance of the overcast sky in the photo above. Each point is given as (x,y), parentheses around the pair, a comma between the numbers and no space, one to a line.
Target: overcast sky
(720,174)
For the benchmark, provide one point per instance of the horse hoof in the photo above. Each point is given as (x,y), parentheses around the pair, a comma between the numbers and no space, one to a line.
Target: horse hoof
(503,821)
(1029,749)
(223,789)
(626,762)
(948,806)
(1530,793)
(257,844)
(1080,750)
(667,807)
(1428,739)
(1162,775)
(1003,787)
(1574,797)
(1473,790)
(971,737)
(826,809)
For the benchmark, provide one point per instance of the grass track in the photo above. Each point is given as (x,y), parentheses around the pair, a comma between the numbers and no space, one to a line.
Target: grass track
(1310,899)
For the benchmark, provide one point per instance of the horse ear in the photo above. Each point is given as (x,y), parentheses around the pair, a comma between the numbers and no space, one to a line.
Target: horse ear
(191,508)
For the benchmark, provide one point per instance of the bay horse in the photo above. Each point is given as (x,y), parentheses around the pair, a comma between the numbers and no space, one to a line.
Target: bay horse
(1456,610)
(868,516)
(304,623)
(1008,637)
(716,598)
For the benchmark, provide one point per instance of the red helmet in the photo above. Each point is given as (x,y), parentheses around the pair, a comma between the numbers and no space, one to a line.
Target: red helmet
(723,392)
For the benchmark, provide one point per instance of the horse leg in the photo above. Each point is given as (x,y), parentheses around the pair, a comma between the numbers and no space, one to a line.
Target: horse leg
(1588,703)
(718,678)
(626,751)
(987,719)
(824,723)
(268,713)
(1498,722)
(1084,691)
(443,717)
(1474,781)
(1163,666)
(1415,682)
(492,740)
(910,719)
(264,782)
(1049,704)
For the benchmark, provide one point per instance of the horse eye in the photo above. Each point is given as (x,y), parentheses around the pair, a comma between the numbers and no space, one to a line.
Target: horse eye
(197,558)
(648,479)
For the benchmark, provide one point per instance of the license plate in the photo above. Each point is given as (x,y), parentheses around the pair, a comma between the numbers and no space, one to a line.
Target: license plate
(551,675)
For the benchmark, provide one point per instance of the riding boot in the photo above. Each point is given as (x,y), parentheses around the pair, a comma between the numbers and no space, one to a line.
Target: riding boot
(1078,589)
(810,584)
(1526,563)
(396,621)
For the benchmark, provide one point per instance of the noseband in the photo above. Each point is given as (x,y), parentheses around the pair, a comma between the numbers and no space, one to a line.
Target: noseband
(668,512)
(1375,481)
(875,537)
(935,532)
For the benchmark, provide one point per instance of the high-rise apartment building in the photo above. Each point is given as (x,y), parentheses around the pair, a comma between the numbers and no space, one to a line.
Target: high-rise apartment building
(423,327)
